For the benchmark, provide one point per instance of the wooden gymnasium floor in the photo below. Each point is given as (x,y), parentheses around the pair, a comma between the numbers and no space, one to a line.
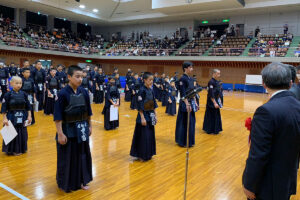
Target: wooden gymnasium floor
(215,167)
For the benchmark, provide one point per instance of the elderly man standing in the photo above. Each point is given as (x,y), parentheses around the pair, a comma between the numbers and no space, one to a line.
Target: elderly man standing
(271,167)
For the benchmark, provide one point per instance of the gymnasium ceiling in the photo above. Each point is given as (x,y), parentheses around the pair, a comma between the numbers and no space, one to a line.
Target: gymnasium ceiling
(113,12)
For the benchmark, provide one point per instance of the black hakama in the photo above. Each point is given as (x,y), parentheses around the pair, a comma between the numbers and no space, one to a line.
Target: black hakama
(74,165)
(171,108)
(143,143)
(109,125)
(98,96)
(40,99)
(181,127)
(49,105)
(212,123)
(133,104)
(32,115)
(4,91)
(18,144)
(128,95)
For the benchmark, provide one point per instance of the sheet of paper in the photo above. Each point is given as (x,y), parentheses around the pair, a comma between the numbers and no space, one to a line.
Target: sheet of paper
(8,133)
(114,113)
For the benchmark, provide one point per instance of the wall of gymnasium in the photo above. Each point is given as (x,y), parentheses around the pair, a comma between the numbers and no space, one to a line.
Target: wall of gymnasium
(232,72)
(155,29)
(270,23)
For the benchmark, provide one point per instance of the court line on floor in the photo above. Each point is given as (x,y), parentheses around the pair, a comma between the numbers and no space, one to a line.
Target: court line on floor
(233,109)
(13,192)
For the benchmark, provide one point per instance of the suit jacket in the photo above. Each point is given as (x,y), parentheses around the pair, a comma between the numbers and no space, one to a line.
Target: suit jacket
(271,167)
(295,89)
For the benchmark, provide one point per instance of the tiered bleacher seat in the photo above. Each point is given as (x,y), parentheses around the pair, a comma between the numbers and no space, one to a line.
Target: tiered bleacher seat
(196,47)
(231,46)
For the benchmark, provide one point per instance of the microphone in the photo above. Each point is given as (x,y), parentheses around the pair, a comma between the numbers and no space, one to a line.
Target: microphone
(191,93)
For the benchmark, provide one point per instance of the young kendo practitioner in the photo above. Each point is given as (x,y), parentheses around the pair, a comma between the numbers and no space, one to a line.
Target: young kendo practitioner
(172,94)
(129,80)
(143,145)
(186,83)
(13,70)
(39,77)
(212,123)
(99,82)
(72,116)
(86,82)
(16,108)
(4,75)
(161,82)
(62,76)
(118,85)
(135,89)
(165,91)
(29,88)
(52,88)
(156,85)
(112,97)
(93,73)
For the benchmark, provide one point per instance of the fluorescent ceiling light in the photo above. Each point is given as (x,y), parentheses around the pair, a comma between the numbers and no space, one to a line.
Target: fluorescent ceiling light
(122,1)
(95,10)
(82,6)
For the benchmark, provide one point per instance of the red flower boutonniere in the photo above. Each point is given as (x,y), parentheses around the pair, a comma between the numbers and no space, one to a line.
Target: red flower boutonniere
(248,124)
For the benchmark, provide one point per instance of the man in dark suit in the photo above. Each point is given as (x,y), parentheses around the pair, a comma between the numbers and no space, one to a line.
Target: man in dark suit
(295,89)
(271,167)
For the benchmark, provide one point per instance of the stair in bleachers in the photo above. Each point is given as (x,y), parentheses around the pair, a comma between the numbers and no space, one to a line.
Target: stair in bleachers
(30,39)
(180,48)
(208,50)
(293,47)
(246,51)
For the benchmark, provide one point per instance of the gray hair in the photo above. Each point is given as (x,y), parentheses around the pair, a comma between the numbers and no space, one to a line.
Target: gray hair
(276,76)
(215,71)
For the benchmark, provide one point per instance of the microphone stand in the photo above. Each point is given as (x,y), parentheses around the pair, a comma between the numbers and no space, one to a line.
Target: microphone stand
(190,94)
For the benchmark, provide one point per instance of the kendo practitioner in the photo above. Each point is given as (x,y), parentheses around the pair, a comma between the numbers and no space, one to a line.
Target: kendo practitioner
(100,86)
(212,123)
(16,108)
(29,88)
(72,116)
(52,88)
(143,145)
(135,89)
(172,94)
(165,91)
(13,70)
(196,85)
(62,76)
(4,75)
(93,78)
(128,91)
(156,85)
(112,98)
(186,83)
(39,77)
(161,82)
(86,82)
(116,71)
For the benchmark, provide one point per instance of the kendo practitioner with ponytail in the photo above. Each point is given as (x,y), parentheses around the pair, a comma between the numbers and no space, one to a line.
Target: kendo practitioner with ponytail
(72,116)
(39,76)
(4,75)
(29,88)
(143,145)
(112,98)
(52,88)
(186,83)
(16,108)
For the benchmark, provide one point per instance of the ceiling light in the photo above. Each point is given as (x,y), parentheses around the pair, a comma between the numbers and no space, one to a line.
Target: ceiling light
(86,24)
(95,10)
(82,6)
(122,1)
